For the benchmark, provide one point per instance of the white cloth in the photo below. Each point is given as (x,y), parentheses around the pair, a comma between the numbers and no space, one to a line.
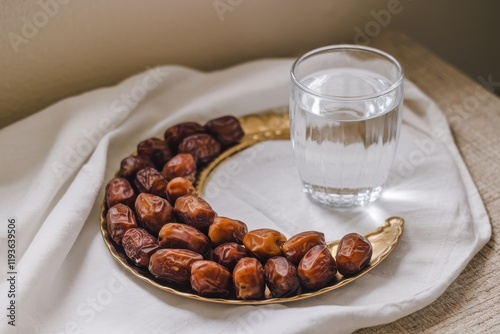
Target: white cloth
(56,162)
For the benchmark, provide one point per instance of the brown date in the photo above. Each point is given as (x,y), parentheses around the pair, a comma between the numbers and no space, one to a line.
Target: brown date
(297,246)
(149,180)
(119,190)
(139,245)
(202,147)
(175,235)
(281,277)
(229,254)
(248,279)
(173,265)
(210,279)
(227,230)
(175,134)
(153,212)
(178,187)
(226,129)
(156,149)
(194,211)
(317,268)
(264,243)
(182,165)
(353,254)
(132,164)
(118,220)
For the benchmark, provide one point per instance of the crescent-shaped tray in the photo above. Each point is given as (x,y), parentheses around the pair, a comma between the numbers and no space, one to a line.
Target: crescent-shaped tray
(260,127)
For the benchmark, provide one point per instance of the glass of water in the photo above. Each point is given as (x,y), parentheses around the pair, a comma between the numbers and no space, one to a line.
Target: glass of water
(345,119)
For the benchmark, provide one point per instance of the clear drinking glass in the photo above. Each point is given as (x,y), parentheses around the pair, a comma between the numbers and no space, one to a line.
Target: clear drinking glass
(345,119)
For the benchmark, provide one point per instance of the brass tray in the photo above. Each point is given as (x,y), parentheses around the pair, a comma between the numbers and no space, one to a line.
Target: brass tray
(269,125)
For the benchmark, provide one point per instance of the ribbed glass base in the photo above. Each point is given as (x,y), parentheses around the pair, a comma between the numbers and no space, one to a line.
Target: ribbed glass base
(342,197)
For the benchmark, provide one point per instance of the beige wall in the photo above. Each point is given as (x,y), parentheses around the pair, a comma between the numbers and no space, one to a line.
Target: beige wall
(51,49)
(87,44)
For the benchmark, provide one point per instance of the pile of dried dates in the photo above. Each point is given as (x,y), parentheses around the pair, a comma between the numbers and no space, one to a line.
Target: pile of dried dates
(154,213)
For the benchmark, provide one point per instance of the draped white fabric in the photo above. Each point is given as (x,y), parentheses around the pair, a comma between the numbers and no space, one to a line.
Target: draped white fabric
(56,163)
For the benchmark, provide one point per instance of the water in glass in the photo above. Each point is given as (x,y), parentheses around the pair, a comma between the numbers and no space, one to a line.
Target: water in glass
(344,150)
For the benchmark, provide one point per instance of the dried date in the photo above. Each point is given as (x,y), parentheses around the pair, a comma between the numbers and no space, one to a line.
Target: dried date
(248,279)
(153,212)
(173,265)
(194,211)
(317,268)
(119,190)
(182,165)
(297,246)
(132,164)
(175,235)
(156,149)
(210,279)
(178,187)
(175,134)
(281,277)
(149,180)
(119,219)
(227,130)
(139,245)
(353,254)
(225,230)
(203,147)
(264,243)
(229,254)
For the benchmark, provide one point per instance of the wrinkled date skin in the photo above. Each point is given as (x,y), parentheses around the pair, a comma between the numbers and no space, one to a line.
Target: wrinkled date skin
(178,187)
(175,235)
(182,165)
(225,230)
(317,268)
(281,277)
(264,243)
(156,149)
(248,279)
(353,254)
(173,265)
(194,211)
(149,180)
(139,245)
(175,134)
(119,219)
(297,246)
(227,129)
(210,279)
(119,190)
(131,165)
(229,254)
(153,212)
(202,147)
